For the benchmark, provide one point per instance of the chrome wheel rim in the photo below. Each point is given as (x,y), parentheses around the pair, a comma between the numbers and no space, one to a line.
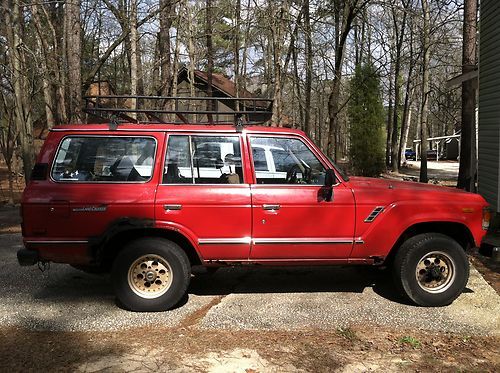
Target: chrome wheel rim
(150,276)
(435,272)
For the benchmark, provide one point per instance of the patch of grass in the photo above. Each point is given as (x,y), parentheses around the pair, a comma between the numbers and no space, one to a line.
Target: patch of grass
(348,334)
(411,341)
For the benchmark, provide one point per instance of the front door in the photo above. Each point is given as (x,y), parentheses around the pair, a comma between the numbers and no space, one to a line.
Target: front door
(291,218)
(204,194)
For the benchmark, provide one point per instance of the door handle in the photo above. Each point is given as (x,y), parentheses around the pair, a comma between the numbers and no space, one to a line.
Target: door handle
(172,207)
(271,207)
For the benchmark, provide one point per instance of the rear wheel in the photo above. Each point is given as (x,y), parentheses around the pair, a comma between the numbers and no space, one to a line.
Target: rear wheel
(431,269)
(151,274)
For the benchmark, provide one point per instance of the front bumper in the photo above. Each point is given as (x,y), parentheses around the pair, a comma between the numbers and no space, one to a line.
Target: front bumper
(27,257)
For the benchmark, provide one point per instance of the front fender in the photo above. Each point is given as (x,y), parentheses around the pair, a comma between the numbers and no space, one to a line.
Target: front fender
(379,236)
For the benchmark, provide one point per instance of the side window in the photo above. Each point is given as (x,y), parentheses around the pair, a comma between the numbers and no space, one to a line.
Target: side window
(203,160)
(104,159)
(292,162)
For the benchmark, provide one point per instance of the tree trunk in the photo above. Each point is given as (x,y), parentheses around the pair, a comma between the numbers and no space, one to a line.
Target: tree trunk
(7,142)
(164,47)
(400,33)
(47,88)
(405,125)
(74,54)
(277,42)
(236,51)
(175,74)
(210,58)
(425,93)
(345,13)
(134,56)
(309,61)
(17,59)
(296,84)
(468,165)
(244,57)
(389,123)
(404,141)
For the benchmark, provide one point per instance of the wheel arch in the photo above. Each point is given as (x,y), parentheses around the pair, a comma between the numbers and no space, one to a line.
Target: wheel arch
(114,244)
(456,231)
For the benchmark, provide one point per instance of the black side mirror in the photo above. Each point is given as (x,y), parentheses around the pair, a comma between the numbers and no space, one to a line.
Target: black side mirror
(329,178)
(328,187)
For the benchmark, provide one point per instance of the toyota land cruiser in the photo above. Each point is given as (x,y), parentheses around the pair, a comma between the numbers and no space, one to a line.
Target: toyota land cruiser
(149,201)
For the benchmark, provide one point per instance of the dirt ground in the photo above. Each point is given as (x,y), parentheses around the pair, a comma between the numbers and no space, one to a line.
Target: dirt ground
(189,348)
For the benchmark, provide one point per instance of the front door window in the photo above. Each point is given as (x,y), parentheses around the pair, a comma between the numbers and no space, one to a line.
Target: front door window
(279,160)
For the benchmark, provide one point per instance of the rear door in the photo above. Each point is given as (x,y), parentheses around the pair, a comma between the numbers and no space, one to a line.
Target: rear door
(291,218)
(204,194)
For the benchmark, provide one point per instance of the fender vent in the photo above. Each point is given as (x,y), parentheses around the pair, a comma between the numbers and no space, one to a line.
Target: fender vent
(373,215)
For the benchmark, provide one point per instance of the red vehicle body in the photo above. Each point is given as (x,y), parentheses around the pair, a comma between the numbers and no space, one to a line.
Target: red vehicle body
(366,221)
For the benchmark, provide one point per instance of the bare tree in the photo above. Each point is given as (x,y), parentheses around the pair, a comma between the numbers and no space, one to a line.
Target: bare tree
(344,14)
(18,62)
(166,19)
(425,92)
(309,68)
(468,166)
(399,32)
(74,55)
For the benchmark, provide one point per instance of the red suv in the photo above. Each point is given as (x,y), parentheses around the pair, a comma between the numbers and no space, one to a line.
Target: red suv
(147,202)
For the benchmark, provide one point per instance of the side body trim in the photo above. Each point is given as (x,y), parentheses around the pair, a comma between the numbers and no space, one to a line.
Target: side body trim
(224,241)
(278,241)
(58,242)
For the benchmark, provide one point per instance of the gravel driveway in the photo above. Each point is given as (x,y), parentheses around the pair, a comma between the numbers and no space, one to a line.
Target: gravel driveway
(64,299)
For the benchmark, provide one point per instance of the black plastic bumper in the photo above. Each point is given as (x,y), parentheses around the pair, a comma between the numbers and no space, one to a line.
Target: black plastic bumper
(27,257)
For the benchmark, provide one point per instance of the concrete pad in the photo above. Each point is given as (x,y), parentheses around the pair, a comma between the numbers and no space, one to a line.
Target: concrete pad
(258,298)
(296,299)
(66,299)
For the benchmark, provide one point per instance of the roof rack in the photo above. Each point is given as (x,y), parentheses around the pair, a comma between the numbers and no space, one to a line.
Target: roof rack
(117,109)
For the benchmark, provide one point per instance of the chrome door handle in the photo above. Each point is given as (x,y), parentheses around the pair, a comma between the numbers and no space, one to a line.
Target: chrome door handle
(271,207)
(172,207)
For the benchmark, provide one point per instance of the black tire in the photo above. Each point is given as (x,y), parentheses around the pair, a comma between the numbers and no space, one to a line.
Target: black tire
(443,273)
(162,264)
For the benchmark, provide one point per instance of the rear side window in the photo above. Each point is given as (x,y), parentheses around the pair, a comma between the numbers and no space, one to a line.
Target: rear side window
(104,159)
(203,160)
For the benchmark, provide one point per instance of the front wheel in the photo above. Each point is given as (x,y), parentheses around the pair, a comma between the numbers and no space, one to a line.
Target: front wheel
(431,269)
(151,274)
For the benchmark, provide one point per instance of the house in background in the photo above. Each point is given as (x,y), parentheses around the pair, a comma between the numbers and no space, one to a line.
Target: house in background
(222,88)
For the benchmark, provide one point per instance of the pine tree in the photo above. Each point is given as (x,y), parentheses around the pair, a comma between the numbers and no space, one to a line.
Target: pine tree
(366,115)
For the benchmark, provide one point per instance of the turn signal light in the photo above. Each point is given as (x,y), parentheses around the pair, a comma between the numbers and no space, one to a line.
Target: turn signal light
(486,218)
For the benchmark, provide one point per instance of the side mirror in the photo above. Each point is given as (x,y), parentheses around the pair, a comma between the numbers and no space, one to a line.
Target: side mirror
(328,187)
(329,178)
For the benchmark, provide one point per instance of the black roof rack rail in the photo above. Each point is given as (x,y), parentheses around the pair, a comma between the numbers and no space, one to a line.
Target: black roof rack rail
(115,109)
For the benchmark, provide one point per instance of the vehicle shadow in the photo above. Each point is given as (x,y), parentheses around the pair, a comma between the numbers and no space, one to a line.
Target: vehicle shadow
(74,285)
(243,280)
